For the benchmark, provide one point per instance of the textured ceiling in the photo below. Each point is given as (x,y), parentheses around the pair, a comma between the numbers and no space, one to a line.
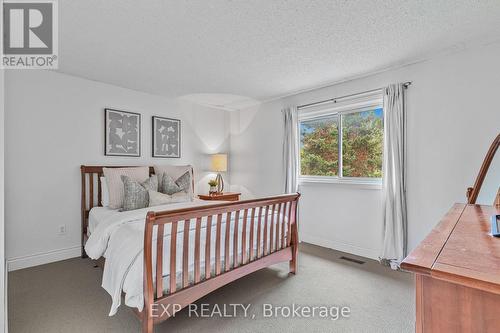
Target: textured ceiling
(257,49)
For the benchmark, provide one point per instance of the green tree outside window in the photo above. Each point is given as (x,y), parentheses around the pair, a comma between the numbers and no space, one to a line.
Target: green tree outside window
(362,145)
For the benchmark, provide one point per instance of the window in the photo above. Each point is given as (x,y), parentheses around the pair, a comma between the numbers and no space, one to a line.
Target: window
(319,148)
(344,143)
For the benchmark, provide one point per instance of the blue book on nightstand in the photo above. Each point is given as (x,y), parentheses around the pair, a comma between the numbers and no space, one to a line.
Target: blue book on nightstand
(495,227)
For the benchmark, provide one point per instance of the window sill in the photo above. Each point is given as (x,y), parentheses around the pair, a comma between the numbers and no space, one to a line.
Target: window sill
(367,184)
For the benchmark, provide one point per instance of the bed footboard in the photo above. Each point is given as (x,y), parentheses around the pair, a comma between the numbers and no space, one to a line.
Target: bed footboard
(266,235)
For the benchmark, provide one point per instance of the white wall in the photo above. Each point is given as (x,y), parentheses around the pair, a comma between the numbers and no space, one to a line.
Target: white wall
(453,117)
(55,123)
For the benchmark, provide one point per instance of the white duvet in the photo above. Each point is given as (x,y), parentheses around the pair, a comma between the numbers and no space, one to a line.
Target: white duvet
(119,237)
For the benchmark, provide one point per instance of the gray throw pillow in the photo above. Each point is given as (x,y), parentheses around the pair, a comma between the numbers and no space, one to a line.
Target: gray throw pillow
(136,194)
(183,181)
(169,185)
(151,183)
(176,171)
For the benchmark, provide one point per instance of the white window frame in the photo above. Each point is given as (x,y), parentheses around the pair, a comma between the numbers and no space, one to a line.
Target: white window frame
(366,103)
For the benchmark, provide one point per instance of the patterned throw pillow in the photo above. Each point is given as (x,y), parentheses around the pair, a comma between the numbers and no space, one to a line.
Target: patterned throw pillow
(136,194)
(176,172)
(170,186)
(151,183)
(184,181)
(115,184)
(167,185)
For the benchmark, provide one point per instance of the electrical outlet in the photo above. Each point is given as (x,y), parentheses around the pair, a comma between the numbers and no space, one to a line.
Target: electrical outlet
(62,229)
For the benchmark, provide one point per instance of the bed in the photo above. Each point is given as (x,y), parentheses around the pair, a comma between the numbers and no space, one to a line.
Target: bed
(205,244)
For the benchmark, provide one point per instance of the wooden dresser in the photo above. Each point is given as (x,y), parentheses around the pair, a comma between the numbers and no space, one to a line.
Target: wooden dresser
(457,273)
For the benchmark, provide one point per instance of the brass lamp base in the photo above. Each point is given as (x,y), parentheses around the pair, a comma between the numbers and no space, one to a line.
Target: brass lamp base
(220,183)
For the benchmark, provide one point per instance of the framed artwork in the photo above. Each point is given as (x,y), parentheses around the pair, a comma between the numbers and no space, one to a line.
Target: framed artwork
(166,137)
(122,133)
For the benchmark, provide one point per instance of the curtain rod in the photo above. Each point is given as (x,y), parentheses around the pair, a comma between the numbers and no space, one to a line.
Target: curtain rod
(334,100)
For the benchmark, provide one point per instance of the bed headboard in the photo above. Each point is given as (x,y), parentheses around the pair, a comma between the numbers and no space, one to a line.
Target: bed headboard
(91,179)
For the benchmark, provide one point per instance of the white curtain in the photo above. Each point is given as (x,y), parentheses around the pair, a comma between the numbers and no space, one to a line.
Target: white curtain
(394,177)
(291,149)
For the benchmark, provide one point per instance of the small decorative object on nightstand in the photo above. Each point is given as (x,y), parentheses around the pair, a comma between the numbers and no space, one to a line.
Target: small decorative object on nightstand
(227,196)
(213,186)
(219,164)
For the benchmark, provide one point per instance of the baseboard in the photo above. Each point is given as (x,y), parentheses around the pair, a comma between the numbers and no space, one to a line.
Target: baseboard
(340,246)
(43,258)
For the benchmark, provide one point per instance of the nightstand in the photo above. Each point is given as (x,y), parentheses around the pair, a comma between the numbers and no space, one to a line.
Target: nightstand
(226,196)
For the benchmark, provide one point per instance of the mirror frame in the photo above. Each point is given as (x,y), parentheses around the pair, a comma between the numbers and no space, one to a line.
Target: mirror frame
(473,192)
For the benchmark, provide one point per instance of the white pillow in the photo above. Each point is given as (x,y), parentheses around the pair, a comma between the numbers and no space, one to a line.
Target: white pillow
(115,183)
(158,198)
(104,192)
(181,197)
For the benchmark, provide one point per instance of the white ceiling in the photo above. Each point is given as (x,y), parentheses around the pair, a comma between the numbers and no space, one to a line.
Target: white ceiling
(257,49)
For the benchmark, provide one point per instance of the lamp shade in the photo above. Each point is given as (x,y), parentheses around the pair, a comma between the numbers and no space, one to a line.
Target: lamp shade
(219,162)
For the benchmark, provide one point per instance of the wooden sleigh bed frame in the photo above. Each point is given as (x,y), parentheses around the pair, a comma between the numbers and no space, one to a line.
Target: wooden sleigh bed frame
(276,247)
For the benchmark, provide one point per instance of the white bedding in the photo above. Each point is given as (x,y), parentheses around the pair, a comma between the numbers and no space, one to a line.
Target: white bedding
(119,237)
(98,214)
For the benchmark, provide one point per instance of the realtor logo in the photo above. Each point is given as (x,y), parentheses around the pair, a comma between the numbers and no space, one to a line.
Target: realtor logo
(30,34)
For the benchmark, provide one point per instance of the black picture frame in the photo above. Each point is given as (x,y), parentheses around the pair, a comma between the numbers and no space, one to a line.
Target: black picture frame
(154,141)
(107,150)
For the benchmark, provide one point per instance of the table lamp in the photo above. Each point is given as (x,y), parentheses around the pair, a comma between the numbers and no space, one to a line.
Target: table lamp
(219,164)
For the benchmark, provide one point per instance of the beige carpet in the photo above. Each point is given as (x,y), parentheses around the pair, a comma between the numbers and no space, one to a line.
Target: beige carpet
(66,297)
